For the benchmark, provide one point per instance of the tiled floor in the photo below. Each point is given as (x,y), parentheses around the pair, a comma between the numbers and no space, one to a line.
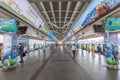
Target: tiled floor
(32,62)
(62,67)
(58,64)
(96,68)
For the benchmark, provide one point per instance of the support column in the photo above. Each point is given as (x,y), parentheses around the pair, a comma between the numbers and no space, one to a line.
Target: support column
(9,49)
(111,49)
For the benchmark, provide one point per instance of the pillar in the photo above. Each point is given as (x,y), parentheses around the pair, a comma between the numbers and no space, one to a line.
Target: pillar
(111,49)
(9,49)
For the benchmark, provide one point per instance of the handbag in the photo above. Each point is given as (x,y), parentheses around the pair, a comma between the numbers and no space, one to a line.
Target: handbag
(24,54)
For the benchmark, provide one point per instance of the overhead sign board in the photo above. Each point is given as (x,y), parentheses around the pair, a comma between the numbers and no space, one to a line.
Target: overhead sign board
(44,28)
(8,25)
(112,24)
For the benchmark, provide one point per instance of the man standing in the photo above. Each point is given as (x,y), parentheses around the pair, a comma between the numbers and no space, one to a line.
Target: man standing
(20,52)
(74,50)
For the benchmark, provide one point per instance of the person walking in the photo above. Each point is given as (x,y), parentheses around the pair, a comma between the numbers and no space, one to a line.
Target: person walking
(99,49)
(21,51)
(73,50)
(93,51)
(82,48)
(88,48)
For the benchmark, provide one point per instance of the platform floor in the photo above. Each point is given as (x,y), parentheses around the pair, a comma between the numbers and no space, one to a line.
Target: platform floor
(58,64)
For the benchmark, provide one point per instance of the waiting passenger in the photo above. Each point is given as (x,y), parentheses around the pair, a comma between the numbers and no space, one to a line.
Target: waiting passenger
(88,48)
(21,51)
(93,51)
(99,49)
(82,48)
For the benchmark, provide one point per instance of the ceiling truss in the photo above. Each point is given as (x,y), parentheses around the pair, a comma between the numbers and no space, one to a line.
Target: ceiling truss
(60,15)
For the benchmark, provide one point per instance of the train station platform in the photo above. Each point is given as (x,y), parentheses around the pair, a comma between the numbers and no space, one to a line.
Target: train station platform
(58,64)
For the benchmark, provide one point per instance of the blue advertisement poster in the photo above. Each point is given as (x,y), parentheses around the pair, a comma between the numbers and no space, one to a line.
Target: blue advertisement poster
(8,25)
(14,46)
(94,10)
(119,41)
(112,24)
(51,34)
(111,48)
(10,49)
(101,7)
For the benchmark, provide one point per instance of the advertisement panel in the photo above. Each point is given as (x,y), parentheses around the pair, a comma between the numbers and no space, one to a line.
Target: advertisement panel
(112,24)
(7,46)
(71,32)
(69,39)
(77,28)
(14,46)
(9,49)
(50,34)
(102,7)
(44,28)
(8,25)
(119,41)
(111,48)
(23,40)
(24,10)
(95,9)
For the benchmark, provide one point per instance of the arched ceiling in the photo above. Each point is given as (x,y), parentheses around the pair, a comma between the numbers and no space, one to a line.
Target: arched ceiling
(60,15)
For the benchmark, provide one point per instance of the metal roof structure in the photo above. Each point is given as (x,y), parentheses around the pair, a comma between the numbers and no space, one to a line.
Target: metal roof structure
(60,15)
